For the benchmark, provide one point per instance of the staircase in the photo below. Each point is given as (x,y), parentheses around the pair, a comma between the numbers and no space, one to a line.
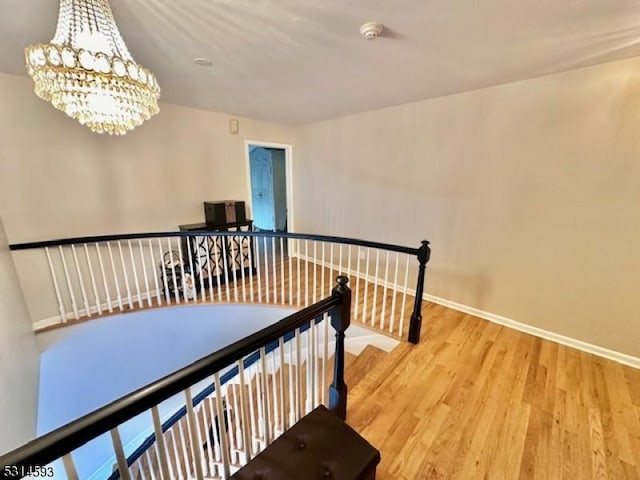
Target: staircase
(358,368)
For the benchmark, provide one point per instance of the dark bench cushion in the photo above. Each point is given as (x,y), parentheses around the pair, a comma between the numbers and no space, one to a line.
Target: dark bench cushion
(319,446)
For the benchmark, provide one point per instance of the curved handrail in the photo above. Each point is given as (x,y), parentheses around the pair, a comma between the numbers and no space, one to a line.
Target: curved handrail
(67,438)
(223,260)
(192,233)
(201,396)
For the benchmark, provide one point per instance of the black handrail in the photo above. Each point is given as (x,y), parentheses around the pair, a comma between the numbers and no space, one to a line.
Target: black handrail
(65,439)
(213,233)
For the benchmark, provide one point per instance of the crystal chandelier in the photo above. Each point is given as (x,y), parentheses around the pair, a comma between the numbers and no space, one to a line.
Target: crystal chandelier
(88,73)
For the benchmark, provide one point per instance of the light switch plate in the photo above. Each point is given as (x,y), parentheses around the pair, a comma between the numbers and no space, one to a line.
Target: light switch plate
(233,126)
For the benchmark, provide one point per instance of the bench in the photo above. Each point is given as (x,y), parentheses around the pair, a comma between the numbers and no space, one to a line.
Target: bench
(319,446)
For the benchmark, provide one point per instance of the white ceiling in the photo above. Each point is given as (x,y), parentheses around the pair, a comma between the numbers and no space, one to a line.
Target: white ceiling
(299,61)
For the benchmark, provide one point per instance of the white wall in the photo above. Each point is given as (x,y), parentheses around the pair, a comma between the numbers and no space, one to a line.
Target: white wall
(19,359)
(528,192)
(58,179)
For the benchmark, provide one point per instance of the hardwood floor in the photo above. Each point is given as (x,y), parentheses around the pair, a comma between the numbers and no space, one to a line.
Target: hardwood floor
(475,400)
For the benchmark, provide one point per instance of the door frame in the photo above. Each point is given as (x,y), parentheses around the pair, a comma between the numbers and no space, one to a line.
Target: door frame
(288,166)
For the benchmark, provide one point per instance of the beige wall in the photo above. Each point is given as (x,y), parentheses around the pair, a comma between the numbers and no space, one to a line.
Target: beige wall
(19,359)
(57,179)
(529,193)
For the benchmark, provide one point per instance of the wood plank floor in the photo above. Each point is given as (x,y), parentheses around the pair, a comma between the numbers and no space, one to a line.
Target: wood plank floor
(475,400)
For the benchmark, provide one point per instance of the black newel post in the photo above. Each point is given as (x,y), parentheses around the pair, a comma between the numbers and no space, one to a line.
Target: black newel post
(340,321)
(415,324)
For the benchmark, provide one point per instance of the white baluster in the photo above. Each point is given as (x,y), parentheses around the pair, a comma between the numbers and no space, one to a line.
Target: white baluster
(275,403)
(251,270)
(395,294)
(384,291)
(207,246)
(325,357)
(266,268)
(123,468)
(191,269)
(194,435)
(290,255)
(219,263)
(298,262)
(298,375)
(282,300)
(180,466)
(366,288)
(242,267)
(161,447)
(116,280)
(69,466)
(316,364)
(252,409)
(155,270)
(292,386)
(283,398)
(163,273)
(216,453)
(340,270)
(185,290)
(135,274)
(404,299)
(176,292)
(126,276)
(315,264)
(203,291)
(322,274)
(224,441)
(273,267)
(85,300)
(237,414)
(74,305)
(225,267)
(56,288)
(331,279)
(306,273)
(375,289)
(144,272)
(234,274)
(104,279)
(246,415)
(92,277)
(265,398)
(258,268)
(184,450)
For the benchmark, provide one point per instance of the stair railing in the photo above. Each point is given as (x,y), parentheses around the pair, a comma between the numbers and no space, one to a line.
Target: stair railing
(235,421)
(73,279)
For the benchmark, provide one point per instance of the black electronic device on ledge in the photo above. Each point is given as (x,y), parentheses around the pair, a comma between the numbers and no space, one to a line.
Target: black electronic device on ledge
(224,211)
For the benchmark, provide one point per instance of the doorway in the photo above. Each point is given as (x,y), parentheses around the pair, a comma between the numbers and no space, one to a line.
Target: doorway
(268,185)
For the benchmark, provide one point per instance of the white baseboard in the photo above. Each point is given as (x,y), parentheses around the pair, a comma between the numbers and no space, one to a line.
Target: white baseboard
(619,357)
(539,332)
(93,309)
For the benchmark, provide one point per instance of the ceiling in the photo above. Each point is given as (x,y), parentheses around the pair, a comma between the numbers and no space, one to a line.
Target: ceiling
(300,61)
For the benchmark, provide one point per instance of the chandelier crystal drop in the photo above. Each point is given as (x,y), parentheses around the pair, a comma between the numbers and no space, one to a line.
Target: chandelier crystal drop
(87,71)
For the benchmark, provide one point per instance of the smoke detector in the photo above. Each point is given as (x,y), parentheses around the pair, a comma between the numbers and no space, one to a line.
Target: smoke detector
(203,62)
(371,30)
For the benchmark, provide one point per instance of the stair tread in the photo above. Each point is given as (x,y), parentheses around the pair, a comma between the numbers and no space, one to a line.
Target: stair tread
(358,367)
(368,385)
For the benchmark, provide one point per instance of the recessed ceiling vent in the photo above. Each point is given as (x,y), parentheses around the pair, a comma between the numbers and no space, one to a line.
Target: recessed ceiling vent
(371,30)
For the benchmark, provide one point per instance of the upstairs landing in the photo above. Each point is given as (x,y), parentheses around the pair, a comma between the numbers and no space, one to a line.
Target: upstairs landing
(475,400)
